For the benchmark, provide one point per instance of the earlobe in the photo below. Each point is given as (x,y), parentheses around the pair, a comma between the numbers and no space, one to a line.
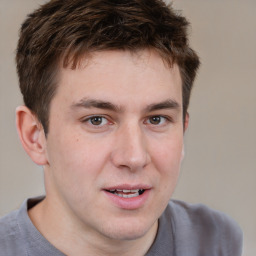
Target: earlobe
(186,121)
(182,153)
(31,134)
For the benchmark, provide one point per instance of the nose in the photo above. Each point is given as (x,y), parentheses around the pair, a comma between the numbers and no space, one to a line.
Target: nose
(130,149)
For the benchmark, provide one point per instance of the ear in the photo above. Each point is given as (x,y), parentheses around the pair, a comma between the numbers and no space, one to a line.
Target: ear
(31,134)
(186,121)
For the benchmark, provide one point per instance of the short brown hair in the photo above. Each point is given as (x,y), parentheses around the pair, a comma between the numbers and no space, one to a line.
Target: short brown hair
(63,32)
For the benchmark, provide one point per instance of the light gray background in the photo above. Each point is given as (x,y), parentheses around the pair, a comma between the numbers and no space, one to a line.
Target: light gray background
(219,167)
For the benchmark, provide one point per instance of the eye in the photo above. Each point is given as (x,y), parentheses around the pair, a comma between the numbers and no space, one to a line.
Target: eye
(96,121)
(157,120)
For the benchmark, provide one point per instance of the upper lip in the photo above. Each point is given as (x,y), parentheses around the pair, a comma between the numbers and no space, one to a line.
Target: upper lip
(128,187)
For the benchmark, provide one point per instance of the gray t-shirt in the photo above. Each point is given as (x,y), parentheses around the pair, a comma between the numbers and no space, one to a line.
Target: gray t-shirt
(184,230)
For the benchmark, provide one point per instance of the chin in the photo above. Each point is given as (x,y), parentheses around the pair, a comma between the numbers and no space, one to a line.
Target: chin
(125,235)
(127,230)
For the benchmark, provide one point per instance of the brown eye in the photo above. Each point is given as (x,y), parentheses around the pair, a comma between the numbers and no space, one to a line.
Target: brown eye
(96,120)
(155,120)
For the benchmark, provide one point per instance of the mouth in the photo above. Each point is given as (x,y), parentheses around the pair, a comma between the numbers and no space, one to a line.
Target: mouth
(127,196)
(126,193)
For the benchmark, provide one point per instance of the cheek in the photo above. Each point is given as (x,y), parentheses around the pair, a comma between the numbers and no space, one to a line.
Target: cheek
(167,155)
(167,160)
(74,168)
(77,159)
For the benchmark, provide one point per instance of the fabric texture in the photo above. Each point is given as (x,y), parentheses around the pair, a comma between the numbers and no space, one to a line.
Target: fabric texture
(184,230)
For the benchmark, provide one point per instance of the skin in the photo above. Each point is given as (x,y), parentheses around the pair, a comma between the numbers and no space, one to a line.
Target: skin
(114,121)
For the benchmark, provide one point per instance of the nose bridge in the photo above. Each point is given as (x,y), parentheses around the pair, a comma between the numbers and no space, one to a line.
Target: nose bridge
(131,147)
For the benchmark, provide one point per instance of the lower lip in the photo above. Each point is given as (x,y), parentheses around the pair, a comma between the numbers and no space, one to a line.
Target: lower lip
(132,203)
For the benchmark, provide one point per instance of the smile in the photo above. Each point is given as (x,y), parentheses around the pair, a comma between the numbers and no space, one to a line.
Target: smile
(128,197)
(126,193)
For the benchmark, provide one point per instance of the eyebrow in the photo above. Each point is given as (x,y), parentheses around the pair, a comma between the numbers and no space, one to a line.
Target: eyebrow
(93,103)
(167,104)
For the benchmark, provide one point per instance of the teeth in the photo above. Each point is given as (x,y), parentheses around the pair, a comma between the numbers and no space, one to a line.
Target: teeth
(127,196)
(131,191)
(126,190)
(127,193)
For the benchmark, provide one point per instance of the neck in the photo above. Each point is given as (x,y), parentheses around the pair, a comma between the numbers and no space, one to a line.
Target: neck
(71,239)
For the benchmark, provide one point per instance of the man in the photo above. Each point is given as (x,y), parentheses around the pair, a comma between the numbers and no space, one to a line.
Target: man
(106,86)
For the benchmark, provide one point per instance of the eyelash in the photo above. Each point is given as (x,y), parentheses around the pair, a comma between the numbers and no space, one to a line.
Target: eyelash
(90,118)
(107,120)
(162,119)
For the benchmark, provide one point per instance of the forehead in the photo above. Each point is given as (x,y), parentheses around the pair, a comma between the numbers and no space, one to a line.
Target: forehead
(121,73)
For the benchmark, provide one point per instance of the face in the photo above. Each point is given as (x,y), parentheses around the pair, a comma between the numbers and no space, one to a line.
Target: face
(115,143)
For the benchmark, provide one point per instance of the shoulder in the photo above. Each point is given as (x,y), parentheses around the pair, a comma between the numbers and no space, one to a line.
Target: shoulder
(10,235)
(8,225)
(204,230)
(198,214)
